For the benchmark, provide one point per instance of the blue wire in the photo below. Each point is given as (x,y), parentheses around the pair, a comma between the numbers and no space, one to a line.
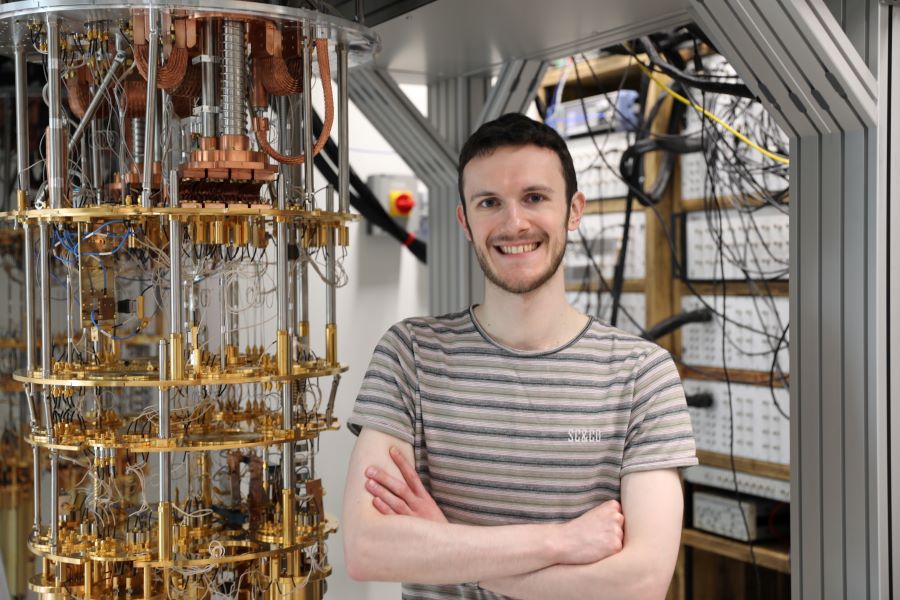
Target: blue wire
(100,329)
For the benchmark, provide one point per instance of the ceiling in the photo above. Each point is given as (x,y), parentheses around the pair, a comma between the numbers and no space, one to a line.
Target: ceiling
(445,38)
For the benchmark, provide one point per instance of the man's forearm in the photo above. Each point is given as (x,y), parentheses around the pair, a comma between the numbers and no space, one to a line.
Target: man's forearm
(626,575)
(413,550)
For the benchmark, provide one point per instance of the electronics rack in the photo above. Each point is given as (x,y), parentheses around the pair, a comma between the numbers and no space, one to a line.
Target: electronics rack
(709,565)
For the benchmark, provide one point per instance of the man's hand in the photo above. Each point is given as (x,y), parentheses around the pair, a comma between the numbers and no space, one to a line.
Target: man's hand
(390,496)
(595,535)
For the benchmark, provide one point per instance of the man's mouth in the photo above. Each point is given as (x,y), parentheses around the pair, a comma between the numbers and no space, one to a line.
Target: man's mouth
(518,248)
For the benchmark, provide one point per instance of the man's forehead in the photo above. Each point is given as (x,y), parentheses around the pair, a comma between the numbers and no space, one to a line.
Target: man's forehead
(517,168)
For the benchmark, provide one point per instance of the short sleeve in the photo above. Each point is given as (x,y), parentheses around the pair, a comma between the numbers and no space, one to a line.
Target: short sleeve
(386,400)
(659,431)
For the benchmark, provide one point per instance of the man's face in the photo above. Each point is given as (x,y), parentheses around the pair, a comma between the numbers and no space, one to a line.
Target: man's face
(516,215)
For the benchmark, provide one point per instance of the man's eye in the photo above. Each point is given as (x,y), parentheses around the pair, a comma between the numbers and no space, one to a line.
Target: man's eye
(535,197)
(488,203)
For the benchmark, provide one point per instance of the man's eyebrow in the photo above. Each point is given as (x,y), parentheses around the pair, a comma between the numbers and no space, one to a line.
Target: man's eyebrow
(525,190)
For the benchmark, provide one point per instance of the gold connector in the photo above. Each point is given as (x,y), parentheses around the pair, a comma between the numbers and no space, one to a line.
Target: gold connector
(22,200)
(287,517)
(283,356)
(231,355)
(304,328)
(176,356)
(218,232)
(331,343)
(344,236)
(165,531)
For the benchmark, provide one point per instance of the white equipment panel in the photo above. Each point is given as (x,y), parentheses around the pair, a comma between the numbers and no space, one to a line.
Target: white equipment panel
(755,485)
(635,304)
(603,233)
(599,179)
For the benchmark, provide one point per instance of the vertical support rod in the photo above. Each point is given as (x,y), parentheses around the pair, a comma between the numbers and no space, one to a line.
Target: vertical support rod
(284,355)
(308,181)
(46,357)
(150,110)
(22,149)
(208,78)
(343,129)
(330,288)
(165,492)
(55,156)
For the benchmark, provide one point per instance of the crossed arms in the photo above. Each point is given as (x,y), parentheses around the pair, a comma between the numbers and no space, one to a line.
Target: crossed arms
(394,531)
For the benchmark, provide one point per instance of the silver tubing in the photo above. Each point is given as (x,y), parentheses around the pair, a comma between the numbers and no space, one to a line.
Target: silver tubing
(304,301)
(95,165)
(46,341)
(137,139)
(282,298)
(165,475)
(308,164)
(330,265)
(208,78)
(176,322)
(22,149)
(56,160)
(99,96)
(150,111)
(46,356)
(21,112)
(70,334)
(360,12)
(343,130)
(36,476)
(233,120)
(223,321)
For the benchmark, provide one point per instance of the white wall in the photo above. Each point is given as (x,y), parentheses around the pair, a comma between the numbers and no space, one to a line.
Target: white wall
(386,284)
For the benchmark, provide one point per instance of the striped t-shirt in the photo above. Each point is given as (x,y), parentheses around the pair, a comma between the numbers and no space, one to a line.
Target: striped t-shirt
(503,436)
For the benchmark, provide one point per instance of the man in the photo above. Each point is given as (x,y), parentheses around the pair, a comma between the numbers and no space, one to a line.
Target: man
(496,444)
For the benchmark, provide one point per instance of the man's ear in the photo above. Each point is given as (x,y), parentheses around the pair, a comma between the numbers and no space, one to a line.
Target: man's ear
(461,219)
(576,211)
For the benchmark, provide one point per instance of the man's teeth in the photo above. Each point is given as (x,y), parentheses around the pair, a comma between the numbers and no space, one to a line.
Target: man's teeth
(518,249)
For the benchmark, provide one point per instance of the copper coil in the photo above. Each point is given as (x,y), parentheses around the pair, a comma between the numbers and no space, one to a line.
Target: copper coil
(262,124)
(189,87)
(169,75)
(135,97)
(281,77)
(78,88)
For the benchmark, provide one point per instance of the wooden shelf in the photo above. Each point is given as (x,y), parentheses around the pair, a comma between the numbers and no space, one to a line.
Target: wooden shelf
(604,67)
(734,375)
(780,287)
(769,555)
(611,205)
(745,465)
(725,202)
(629,285)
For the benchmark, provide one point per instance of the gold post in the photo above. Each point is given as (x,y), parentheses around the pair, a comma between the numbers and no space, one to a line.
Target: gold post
(283,356)
(176,356)
(22,200)
(331,344)
(165,531)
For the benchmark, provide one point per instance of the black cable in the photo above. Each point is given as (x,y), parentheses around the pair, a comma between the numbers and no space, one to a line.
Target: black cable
(670,324)
(361,197)
(715,87)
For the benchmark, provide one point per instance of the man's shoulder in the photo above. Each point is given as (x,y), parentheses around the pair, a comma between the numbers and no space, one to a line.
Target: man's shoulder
(608,340)
(450,324)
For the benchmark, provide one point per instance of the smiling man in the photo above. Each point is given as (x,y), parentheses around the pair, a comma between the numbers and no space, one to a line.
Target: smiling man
(517,448)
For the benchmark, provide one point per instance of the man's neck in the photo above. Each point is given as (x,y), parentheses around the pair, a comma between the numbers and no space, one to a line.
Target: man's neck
(539,320)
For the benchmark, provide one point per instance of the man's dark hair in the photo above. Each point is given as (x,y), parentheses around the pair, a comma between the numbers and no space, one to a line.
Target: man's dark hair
(514,129)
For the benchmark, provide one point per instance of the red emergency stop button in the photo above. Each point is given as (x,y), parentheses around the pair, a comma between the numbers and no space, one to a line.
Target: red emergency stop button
(402,204)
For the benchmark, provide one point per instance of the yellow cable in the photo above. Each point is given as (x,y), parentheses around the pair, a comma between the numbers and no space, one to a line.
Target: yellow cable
(703,111)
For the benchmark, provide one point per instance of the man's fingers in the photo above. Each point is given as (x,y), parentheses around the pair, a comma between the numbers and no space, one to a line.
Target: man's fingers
(381,506)
(398,505)
(397,487)
(407,470)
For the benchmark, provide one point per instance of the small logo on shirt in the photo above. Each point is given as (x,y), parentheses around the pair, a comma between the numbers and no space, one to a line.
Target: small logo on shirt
(584,436)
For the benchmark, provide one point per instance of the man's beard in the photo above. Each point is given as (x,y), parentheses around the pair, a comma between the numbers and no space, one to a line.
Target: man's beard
(526,286)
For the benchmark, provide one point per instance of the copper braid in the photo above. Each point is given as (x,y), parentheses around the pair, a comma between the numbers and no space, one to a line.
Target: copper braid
(169,75)
(262,123)
(280,76)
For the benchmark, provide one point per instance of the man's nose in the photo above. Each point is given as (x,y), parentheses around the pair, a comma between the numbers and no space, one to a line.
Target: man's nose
(516,217)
